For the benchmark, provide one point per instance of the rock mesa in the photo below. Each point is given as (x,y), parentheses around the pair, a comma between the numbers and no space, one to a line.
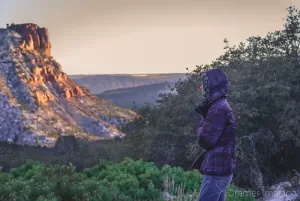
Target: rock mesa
(35,38)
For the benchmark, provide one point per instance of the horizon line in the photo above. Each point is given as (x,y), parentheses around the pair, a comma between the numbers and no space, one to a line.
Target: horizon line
(126,74)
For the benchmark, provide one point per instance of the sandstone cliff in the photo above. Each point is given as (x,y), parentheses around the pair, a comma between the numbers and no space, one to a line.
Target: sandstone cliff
(39,102)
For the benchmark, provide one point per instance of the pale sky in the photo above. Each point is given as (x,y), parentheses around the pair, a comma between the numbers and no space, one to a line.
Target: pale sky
(144,36)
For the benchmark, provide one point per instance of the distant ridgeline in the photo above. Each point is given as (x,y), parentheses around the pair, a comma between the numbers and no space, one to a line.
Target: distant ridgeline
(98,84)
(135,97)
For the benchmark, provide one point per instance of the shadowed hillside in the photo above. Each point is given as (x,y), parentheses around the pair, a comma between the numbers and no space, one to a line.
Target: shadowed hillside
(136,96)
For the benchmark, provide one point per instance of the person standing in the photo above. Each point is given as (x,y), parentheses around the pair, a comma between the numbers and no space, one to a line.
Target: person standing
(217,135)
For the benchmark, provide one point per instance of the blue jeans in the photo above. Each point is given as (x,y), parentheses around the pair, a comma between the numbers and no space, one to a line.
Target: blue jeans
(213,188)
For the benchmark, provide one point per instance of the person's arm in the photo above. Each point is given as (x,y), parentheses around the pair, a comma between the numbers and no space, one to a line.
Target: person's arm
(212,128)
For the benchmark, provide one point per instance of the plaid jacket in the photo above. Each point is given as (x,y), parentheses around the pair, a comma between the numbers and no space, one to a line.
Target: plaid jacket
(217,131)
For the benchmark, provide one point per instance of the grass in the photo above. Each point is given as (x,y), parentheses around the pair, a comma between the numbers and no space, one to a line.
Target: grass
(176,193)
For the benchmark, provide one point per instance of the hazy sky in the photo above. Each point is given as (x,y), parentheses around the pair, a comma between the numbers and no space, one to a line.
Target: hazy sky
(144,36)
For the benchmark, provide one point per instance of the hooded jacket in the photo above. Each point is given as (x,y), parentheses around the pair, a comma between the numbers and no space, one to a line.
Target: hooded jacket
(217,130)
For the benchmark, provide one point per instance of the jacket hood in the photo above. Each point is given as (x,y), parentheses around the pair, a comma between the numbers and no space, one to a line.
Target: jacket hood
(215,84)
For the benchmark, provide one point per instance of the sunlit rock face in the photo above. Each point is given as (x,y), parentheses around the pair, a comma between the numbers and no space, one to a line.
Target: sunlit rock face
(39,102)
(34,37)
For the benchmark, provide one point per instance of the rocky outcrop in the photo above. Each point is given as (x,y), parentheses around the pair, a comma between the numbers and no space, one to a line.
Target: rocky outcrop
(72,92)
(34,37)
(39,103)
(43,97)
(42,75)
(47,74)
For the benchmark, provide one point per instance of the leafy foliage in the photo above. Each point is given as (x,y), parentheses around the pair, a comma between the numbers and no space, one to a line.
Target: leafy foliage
(126,181)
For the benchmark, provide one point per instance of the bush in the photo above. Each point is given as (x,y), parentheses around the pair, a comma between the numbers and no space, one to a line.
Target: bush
(126,181)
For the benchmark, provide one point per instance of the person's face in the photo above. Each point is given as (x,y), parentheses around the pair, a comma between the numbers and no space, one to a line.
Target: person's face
(202,88)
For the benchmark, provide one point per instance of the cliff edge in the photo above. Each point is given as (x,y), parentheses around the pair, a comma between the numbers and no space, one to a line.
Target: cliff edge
(39,102)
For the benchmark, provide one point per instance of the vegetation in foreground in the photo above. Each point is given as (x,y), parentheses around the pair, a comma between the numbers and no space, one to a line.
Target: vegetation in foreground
(126,181)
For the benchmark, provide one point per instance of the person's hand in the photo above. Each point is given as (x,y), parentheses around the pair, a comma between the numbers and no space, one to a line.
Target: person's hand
(202,108)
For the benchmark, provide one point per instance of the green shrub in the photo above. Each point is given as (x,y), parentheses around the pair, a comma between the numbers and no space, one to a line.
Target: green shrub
(126,181)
